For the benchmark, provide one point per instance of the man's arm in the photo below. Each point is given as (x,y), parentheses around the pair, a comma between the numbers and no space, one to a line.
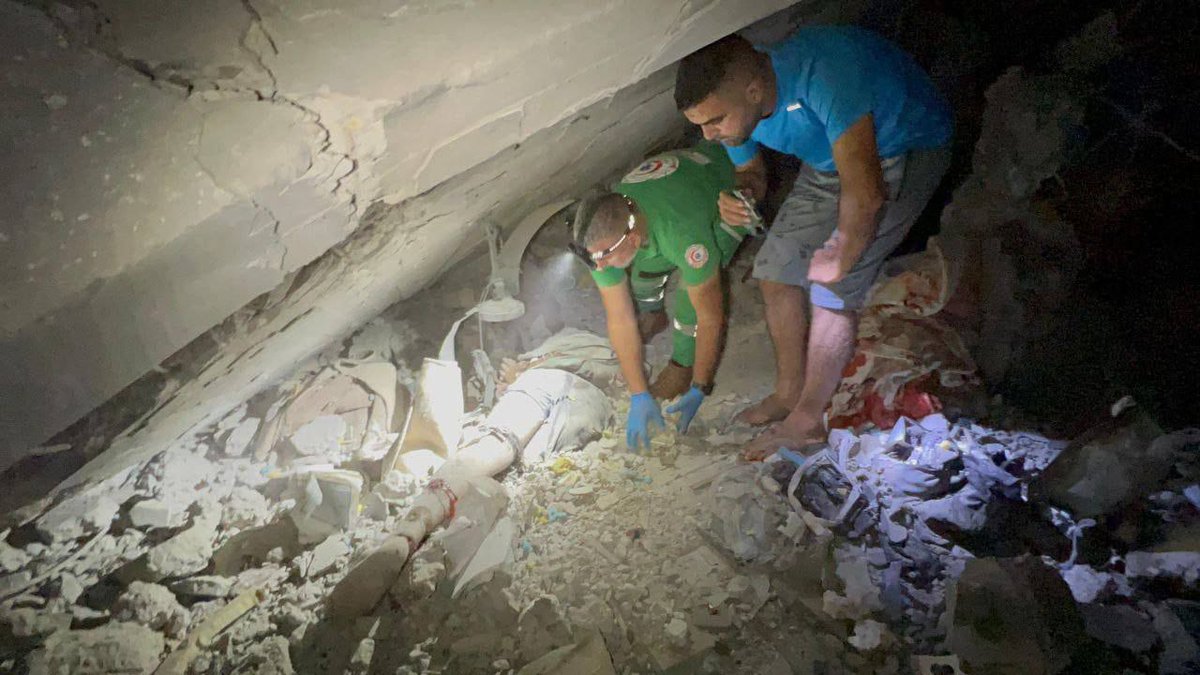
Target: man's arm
(709,301)
(751,178)
(862,197)
(623,334)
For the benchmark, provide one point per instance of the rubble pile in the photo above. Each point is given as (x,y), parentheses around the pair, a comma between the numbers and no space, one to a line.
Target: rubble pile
(310,530)
(938,535)
(220,542)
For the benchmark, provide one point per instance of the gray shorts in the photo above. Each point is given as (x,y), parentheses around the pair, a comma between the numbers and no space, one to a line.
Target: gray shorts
(809,216)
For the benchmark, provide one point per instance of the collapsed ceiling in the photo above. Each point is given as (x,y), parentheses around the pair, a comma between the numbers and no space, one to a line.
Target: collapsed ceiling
(228,195)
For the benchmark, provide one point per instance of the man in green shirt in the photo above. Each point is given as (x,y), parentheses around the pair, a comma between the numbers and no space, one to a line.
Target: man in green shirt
(663,217)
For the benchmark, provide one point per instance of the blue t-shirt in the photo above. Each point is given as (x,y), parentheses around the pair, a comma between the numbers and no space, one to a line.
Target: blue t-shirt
(827,78)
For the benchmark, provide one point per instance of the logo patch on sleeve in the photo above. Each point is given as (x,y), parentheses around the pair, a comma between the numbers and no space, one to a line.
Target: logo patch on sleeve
(697,255)
(655,167)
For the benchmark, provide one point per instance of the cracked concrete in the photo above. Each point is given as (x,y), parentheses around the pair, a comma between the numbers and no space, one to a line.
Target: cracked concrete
(179,160)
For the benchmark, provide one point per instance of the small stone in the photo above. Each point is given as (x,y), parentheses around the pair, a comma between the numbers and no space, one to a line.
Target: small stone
(151,513)
(69,588)
(360,662)
(677,631)
(868,635)
(270,656)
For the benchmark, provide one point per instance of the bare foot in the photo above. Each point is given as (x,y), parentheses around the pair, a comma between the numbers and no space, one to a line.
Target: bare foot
(781,435)
(770,409)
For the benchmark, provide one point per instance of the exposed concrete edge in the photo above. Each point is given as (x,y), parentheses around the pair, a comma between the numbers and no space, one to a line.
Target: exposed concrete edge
(374,268)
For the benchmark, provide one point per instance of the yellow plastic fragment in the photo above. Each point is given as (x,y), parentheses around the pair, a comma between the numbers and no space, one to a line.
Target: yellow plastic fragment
(561,466)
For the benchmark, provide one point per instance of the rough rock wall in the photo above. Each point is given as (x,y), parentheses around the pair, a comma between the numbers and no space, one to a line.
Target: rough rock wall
(165,163)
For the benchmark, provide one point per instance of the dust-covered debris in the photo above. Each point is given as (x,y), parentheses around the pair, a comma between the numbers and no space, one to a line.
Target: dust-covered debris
(153,606)
(113,648)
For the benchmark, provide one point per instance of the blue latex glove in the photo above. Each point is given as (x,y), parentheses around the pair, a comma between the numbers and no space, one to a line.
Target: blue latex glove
(643,412)
(686,406)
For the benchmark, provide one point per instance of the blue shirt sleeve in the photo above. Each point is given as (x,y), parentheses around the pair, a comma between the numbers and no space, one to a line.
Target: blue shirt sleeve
(740,154)
(839,93)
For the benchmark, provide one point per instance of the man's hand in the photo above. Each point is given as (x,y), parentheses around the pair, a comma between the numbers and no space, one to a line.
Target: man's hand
(751,179)
(687,406)
(827,266)
(733,211)
(643,414)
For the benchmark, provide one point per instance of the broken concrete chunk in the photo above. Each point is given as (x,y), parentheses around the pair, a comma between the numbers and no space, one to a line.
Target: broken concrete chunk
(78,516)
(1183,565)
(152,606)
(1012,615)
(367,582)
(239,439)
(587,657)
(868,635)
(245,507)
(177,475)
(11,583)
(326,556)
(270,656)
(322,436)
(360,661)
(677,631)
(69,588)
(1107,467)
(187,552)
(541,627)
(494,553)
(203,587)
(1181,653)
(113,648)
(11,558)
(152,513)
(1119,625)
(32,622)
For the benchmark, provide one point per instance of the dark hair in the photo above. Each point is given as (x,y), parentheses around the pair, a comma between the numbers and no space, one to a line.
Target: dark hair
(609,218)
(702,71)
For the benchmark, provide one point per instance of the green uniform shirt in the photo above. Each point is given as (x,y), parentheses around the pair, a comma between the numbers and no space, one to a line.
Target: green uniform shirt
(678,192)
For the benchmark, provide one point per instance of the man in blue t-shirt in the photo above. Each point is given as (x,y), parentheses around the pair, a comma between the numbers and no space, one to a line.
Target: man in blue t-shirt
(874,134)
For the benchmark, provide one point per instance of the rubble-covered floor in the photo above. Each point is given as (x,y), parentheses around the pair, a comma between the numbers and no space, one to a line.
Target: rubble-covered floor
(954,542)
(681,559)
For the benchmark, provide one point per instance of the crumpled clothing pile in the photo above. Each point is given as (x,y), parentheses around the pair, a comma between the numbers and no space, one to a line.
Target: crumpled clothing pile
(901,345)
(901,492)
